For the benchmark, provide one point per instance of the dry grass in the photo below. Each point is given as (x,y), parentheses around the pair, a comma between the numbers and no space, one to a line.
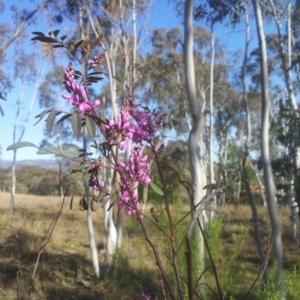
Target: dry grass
(65,270)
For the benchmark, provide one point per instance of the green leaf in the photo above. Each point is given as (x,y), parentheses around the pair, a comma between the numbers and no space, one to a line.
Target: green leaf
(59,46)
(62,38)
(76,124)
(95,73)
(63,118)
(94,78)
(156,189)
(95,120)
(69,153)
(51,120)
(20,145)
(55,32)
(102,117)
(78,73)
(44,39)
(38,33)
(49,150)
(90,127)
(58,151)
(42,115)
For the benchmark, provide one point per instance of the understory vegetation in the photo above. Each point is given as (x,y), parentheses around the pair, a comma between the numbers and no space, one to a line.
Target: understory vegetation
(65,271)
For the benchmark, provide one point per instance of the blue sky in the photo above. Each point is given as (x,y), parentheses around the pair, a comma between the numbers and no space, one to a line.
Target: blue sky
(161,15)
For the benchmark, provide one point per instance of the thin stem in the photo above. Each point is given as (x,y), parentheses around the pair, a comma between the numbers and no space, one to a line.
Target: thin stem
(172,226)
(147,237)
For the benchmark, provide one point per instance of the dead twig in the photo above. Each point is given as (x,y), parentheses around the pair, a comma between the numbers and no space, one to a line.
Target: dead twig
(43,247)
(7,240)
(262,268)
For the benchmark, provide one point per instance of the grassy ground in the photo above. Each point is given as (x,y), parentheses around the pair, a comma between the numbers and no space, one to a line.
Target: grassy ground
(65,271)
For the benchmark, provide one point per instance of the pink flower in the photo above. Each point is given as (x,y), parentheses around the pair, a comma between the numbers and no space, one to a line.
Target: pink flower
(145,297)
(73,99)
(87,106)
(136,172)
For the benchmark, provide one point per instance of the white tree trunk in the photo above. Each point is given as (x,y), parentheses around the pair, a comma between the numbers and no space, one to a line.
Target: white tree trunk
(110,56)
(268,176)
(89,221)
(196,165)
(211,123)
(91,235)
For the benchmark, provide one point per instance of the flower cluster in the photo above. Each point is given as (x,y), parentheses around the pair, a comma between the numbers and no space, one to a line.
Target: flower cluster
(122,127)
(144,130)
(135,172)
(93,63)
(78,95)
(147,122)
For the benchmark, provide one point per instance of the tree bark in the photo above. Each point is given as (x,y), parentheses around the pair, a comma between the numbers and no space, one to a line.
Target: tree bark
(268,176)
(196,165)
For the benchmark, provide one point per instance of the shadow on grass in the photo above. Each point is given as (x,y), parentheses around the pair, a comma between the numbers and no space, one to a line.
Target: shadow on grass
(66,275)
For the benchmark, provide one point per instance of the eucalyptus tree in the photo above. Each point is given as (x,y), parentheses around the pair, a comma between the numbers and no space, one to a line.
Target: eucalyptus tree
(163,79)
(9,33)
(12,33)
(268,176)
(246,158)
(26,73)
(282,12)
(212,13)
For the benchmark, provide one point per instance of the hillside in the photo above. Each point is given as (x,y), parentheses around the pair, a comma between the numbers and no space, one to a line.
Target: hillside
(45,163)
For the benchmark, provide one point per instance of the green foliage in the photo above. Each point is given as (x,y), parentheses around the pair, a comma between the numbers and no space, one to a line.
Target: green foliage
(174,166)
(90,126)
(156,189)
(271,289)
(20,145)
(214,238)
(230,269)
(36,180)
(292,284)
(76,124)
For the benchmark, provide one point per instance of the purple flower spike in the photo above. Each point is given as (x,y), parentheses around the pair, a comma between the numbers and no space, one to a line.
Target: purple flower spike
(136,172)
